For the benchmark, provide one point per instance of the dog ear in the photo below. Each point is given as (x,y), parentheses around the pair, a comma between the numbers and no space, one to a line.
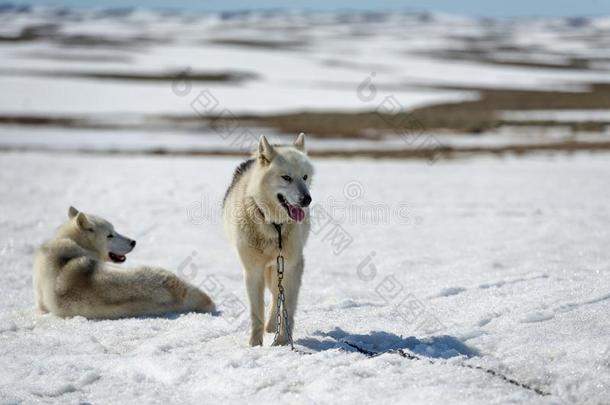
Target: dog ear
(266,152)
(82,221)
(299,143)
(72,212)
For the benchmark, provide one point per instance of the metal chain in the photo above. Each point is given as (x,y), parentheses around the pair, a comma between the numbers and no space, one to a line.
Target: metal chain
(282,312)
(411,356)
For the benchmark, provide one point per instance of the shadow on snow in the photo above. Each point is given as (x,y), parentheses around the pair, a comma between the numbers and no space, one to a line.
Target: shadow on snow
(442,346)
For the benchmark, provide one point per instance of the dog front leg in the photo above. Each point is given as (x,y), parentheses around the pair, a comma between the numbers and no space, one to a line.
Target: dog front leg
(255,284)
(271,284)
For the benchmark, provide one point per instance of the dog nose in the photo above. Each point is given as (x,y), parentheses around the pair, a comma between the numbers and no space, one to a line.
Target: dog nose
(133,243)
(305,200)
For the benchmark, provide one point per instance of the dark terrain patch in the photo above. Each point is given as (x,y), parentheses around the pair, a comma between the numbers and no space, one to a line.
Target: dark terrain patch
(260,44)
(475,116)
(226,77)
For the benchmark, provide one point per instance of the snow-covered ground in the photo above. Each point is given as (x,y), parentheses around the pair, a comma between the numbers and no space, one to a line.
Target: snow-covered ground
(498,263)
(482,264)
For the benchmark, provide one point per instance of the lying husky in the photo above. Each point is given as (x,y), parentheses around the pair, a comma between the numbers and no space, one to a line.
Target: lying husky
(72,276)
(271,188)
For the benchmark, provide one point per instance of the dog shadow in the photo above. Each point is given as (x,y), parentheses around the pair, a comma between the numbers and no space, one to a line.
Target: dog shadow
(443,346)
(172,316)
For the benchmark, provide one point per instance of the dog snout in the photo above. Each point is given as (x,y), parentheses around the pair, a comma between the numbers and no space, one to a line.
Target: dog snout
(305,200)
(132,243)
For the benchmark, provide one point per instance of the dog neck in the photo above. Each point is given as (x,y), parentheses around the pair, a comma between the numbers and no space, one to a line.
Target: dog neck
(265,228)
(71,231)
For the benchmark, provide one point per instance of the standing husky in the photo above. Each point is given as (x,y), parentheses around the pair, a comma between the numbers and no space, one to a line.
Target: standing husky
(271,188)
(72,276)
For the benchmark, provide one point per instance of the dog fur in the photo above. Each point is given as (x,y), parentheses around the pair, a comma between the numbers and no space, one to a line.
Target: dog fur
(74,276)
(272,187)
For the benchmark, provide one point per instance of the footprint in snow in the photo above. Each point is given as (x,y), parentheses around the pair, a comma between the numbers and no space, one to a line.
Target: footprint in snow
(448,292)
(538,317)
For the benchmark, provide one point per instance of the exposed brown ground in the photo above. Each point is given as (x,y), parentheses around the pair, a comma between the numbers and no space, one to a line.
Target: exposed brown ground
(488,55)
(480,115)
(223,76)
(463,117)
(257,43)
(52,33)
(66,122)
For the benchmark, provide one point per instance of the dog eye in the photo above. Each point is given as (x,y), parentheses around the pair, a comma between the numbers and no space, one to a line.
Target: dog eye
(90,230)
(305,177)
(110,236)
(287,178)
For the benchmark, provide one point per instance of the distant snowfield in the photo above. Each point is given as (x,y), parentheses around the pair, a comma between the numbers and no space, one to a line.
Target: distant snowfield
(313,62)
(499,263)
(66,97)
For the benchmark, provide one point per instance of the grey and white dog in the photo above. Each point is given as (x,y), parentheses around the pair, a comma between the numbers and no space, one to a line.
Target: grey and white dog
(270,188)
(75,275)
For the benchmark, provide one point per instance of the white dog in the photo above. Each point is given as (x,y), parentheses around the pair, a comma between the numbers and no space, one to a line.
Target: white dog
(271,188)
(72,276)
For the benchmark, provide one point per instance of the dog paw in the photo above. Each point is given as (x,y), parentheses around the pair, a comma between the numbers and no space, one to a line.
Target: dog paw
(256,341)
(281,341)
(271,325)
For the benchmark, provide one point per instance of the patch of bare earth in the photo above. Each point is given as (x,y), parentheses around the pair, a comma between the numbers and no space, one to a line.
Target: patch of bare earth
(474,116)
(467,117)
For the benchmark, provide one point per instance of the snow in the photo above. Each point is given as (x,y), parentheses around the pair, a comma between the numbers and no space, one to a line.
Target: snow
(476,266)
(36,96)
(317,63)
(494,262)
(558,115)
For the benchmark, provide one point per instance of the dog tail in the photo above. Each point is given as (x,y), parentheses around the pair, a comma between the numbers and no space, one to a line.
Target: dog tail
(197,300)
(187,297)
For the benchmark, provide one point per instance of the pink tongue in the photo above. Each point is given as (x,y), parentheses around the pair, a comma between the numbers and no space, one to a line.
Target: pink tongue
(296,213)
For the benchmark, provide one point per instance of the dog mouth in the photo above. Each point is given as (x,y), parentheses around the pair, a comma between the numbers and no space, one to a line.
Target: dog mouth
(116,258)
(295,212)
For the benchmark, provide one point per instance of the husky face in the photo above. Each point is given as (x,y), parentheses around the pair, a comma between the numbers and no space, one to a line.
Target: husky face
(98,235)
(284,177)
